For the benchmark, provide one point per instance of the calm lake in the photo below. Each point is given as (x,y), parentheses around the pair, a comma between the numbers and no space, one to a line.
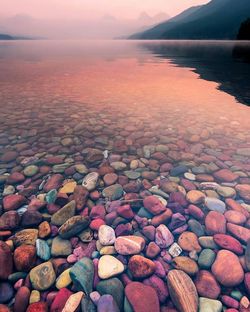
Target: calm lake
(105,139)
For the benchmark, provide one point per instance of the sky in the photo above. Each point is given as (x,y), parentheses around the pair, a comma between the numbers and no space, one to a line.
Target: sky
(93,8)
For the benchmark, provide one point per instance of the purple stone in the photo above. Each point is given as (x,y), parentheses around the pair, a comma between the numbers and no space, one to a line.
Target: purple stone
(107,304)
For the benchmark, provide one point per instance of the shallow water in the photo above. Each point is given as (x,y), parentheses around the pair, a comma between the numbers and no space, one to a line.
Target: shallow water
(165,114)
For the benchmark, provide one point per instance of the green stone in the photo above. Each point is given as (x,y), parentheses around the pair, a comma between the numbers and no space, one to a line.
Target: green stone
(143,213)
(127,306)
(207,242)
(113,192)
(73,226)
(206,258)
(113,287)
(30,171)
(14,277)
(51,196)
(196,227)
(82,275)
(87,305)
(61,247)
(42,277)
(236,294)
(132,175)
(62,215)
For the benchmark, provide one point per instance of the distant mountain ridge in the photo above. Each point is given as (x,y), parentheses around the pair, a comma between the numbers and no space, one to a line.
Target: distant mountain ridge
(218,19)
(5,37)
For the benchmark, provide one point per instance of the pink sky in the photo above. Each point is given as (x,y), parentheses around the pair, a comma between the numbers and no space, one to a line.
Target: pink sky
(94,8)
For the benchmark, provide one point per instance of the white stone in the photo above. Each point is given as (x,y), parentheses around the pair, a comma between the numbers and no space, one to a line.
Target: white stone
(90,181)
(109,266)
(175,250)
(209,305)
(106,235)
(73,302)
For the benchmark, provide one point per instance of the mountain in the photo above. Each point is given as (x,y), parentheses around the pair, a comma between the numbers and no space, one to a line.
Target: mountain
(5,37)
(218,19)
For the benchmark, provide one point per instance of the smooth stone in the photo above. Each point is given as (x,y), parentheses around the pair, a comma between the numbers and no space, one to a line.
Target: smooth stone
(132,175)
(215,204)
(90,181)
(196,227)
(222,269)
(182,291)
(60,247)
(209,305)
(118,165)
(113,192)
(228,242)
(43,276)
(195,197)
(26,237)
(206,285)
(185,264)
(25,257)
(247,256)
(226,191)
(244,191)
(62,215)
(235,217)
(141,267)
(6,261)
(73,226)
(106,235)
(82,275)
(31,170)
(86,235)
(68,188)
(240,232)
(81,168)
(38,307)
(107,304)
(142,298)
(206,258)
(6,292)
(129,245)
(163,237)
(207,242)
(73,302)
(109,266)
(215,223)
(13,202)
(153,204)
(60,300)
(110,178)
(21,299)
(188,241)
(63,279)
(42,249)
(113,287)
(34,296)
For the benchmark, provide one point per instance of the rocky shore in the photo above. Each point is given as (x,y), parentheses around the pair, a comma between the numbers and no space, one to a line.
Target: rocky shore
(140,221)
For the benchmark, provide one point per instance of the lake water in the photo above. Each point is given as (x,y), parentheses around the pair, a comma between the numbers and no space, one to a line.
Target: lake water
(171,115)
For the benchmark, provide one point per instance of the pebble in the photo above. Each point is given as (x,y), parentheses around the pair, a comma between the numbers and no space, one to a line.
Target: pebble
(106,235)
(42,276)
(42,250)
(107,304)
(73,302)
(60,247)
(90,181)
(109,266)
(206,304)
(206,258)
(113,192)
(206,285)
(114,287)
(6,261)
(73,226)
(129,245)
(215,204)
(25,258)
(62,215)
(141,267)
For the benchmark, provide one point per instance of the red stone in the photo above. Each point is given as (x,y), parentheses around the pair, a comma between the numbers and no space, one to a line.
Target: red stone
(13,202)
(142,298)
(22,299)
(55,182)
(225,175)
(15,177)
(125,212)
(25,258)
(95,224)
(141,267)
(9,220)
(4,308)
(196,212)
(206,285)
(230,302)
(6,262)
(97,212)
(9,156)
(247,282)
(164,218)
(229,243)
(60,300)
(239,232)
(215,222)
(38,307)
(232,204)
(80,196)
(153,205)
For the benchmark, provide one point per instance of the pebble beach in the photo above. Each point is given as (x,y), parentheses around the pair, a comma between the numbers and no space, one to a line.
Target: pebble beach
(121,207)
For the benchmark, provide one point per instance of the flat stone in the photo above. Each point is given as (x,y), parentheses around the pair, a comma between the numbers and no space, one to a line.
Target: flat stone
(13,202)
(73,302)
(188,241)
(82,275)
(142,298)
(207,285)
(106,235)
(27,237)
(42,249)
(210,305)
(163,237)
(73,226)
(62,215)
(68,188)
(42,277)
(60,247)
(109,266)
(222,269)
(141,267)
(206,258)
(185,264)
(215,204)
(113,192)
(153,205)
(129,245)
(90,181)
(31,170)
(63,279)
(107,304)
(182,291)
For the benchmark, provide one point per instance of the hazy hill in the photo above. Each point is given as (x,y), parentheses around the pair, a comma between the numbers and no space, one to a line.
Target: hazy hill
(219,19)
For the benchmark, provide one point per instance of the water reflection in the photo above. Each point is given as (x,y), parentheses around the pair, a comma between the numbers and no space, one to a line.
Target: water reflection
(227,63)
